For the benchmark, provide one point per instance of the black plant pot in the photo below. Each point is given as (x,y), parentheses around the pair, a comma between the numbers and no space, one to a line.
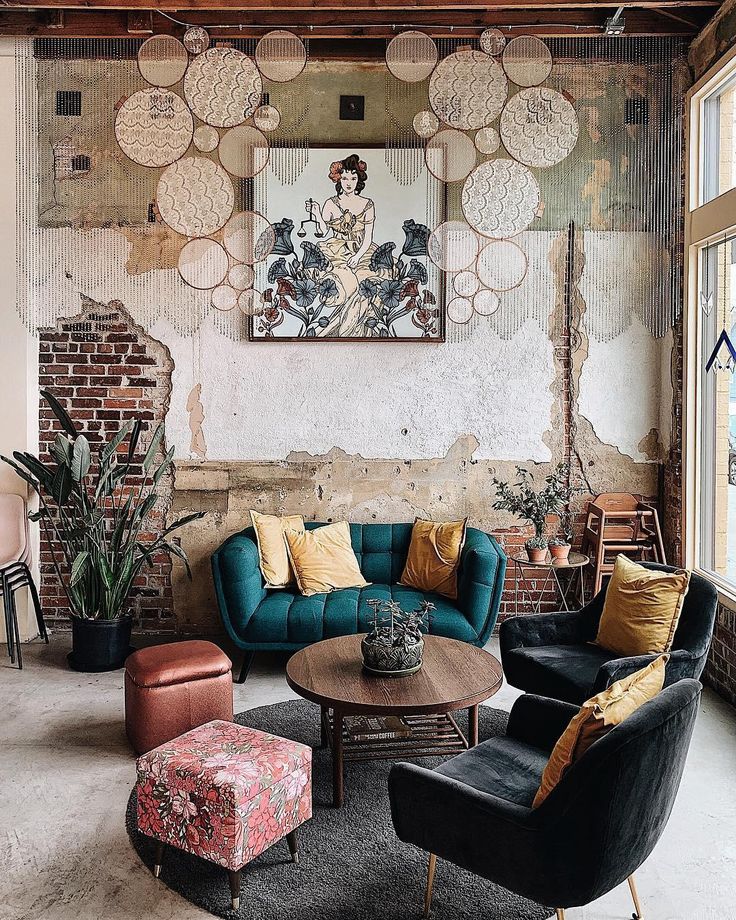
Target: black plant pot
(100,645)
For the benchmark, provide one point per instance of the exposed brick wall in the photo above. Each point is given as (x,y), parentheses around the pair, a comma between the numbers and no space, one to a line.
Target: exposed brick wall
(105,370)
(720,671)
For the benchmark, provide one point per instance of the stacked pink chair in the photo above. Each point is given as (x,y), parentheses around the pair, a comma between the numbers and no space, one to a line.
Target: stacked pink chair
(15,561)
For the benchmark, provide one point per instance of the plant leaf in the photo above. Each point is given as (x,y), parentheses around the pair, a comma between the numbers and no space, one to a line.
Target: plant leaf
(61,449)
(78,567)
(62,485)
(152,448)
(106,573)
(81,458)
(60,412)
(112,445)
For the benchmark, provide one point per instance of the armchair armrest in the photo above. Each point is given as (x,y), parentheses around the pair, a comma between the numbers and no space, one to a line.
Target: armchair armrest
(537,629)
(238,583)
(681,664)
(539,721)
(482,572)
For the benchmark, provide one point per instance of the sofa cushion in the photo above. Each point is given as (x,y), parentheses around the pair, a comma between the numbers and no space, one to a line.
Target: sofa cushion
(564,672)
(286,618)
(503,767)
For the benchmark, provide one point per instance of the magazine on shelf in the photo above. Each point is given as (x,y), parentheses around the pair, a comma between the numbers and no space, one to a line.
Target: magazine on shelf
(376,728)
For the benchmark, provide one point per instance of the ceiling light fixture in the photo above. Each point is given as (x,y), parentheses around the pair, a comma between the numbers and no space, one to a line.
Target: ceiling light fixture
(615,24)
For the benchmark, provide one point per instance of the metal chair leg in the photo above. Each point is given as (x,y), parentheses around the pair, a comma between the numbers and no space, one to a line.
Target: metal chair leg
(234,888)
(293,849)
(430,882)
(245,667)
(10,594)
(635,897)
(158,859)
(43,632)
(9,637)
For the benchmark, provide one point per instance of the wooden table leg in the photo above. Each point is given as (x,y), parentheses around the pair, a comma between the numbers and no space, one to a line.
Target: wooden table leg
(337,761)
(323,723)
(472,726)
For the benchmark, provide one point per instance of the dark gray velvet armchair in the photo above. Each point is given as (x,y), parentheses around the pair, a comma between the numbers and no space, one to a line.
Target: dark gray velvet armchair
(551,653)
(594,830)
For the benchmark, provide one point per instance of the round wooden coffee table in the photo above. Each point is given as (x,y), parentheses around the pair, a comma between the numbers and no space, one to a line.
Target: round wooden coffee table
(454,676)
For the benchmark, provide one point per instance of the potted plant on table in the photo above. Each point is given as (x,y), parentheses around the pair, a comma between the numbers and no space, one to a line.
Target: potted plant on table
(95,515)
(394,647)
(534,505)
(560,545)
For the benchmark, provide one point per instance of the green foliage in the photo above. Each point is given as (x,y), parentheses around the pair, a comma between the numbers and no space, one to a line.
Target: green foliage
(94,514)
(531,505)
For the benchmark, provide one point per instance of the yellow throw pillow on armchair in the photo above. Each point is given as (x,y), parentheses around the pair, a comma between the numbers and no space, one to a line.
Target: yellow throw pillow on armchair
(323,559)
(434,557)
(597,716)
(641,609)
(272,555)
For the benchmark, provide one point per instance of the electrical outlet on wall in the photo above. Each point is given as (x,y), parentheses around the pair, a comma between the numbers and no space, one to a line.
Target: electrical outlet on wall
(352,108)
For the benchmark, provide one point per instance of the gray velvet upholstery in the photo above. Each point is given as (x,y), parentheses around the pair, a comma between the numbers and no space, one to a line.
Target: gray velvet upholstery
(595,828)
(551,653)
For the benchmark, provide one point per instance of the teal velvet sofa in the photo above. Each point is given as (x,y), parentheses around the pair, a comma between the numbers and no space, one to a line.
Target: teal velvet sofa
(257,619)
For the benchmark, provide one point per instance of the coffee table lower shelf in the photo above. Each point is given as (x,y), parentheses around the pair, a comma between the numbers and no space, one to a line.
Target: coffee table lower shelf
(432,735)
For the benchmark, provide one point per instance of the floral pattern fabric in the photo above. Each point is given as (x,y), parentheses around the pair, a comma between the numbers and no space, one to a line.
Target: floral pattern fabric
(224,792)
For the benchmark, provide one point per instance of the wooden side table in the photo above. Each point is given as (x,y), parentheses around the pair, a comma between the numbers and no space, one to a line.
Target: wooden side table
(454,676)
(574,566)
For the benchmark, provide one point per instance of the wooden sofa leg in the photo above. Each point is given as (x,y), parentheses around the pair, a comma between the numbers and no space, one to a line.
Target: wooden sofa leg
(245,667)
(430,883)
(635,898)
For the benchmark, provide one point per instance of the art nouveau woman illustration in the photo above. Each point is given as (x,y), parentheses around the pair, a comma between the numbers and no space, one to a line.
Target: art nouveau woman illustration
(347,220)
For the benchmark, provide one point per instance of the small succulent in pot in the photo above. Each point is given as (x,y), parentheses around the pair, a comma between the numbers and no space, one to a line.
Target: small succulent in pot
(394,646)
(559,548)
(536,549)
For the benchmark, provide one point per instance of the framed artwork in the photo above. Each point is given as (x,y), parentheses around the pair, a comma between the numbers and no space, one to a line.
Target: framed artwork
(350,262)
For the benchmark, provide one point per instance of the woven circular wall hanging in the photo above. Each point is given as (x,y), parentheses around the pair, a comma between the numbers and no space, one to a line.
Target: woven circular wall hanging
(453,246)
(527,61)
(206,138)
(492,41)
(502,265)
(223,87)
(154,127)
(224,298)
(411,56)
(450,155)
(425,123)
(539,127)
(266,118)
(281,56)
(162,60)
(240,276)
(468,89)
(249,237)
(460,310)
(500,198)
(196,40)
(485,303)
(202,263)
(244,151)
(465,284)
(195,196)
(487,140)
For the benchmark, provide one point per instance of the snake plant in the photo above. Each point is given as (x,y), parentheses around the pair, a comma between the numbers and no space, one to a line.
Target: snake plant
(94,512)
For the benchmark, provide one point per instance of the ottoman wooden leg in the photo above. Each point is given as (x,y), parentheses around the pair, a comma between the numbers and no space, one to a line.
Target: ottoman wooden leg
(291,840)
(234,888)
(158,859)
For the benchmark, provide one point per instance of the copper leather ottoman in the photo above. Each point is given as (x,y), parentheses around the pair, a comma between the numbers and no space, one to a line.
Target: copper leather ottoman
(172,688)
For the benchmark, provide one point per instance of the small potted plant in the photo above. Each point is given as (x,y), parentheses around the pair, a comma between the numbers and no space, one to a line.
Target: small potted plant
(394,646)
(94,511)
(534,505)
(559,546)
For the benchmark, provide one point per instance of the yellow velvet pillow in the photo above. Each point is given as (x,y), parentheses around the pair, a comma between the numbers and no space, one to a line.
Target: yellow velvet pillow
(641,609)
(597,717)
(323,559)
(272,555)
(434,556)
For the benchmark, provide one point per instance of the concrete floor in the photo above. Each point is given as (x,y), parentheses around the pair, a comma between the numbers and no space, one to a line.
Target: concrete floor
(67,772)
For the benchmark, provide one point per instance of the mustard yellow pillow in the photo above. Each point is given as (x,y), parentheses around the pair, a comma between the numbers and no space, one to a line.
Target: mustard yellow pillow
(272,555)
(323,559)
(434,556)
(597,716)
(641,609)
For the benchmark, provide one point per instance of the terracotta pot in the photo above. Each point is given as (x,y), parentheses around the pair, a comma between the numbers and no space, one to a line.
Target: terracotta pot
(561,551)
(536,554)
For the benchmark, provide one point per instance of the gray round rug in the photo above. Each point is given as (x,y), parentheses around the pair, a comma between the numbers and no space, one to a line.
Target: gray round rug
(352,865)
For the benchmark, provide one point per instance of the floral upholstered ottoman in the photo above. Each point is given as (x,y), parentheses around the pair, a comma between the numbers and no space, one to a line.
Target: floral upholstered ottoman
(226,793)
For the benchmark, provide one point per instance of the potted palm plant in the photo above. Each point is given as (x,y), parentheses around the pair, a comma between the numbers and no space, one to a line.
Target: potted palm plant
(95,515)
(534,505)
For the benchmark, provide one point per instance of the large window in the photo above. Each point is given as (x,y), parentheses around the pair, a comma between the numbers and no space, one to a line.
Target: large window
(710,394)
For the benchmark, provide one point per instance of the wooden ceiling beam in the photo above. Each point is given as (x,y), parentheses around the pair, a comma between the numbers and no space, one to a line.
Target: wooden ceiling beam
(488,6)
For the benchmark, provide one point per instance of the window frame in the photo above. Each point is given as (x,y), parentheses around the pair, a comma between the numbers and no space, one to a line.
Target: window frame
(705,223)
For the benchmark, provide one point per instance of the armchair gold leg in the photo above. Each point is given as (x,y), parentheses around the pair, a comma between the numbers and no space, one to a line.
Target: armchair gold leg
(637,905)
(430,883)
(560,913)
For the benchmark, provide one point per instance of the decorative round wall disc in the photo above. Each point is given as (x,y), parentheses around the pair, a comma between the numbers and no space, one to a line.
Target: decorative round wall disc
(487,140)
(224,298)
(502,265)
(411,56)
(223,87)
(492,41)
(240,276)
(206,138)
(527,61)
(426,123)
(281,56)
(500,198)
(539,127)
(251,302)
(162,60)
(266,118)
(465,284)
(196,40)
(468,89)
(244,151)
(195,196)
(202,264)
(154,127)
(453,246)
(460,310)
(249,237)
(485,303)
(450,155)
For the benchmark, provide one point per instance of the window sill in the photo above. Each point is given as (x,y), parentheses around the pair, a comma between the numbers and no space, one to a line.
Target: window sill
(726,589)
